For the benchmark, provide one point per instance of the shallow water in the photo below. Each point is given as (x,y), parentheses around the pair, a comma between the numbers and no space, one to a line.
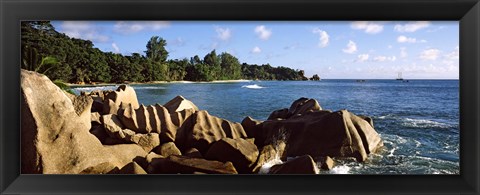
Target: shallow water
(418,120)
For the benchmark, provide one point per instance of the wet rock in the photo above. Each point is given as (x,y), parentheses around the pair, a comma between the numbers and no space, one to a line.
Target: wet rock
(325,133)
(326,163)
(300,165)
(267,153)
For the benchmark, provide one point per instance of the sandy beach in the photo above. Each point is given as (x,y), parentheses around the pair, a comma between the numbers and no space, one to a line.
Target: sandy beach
(157,82)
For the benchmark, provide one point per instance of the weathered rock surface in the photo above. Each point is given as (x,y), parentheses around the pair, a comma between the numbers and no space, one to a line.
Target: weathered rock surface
(131,168)
(99,132)
(298,107)
(146,141)
(300,165)
(242,153)
(168,149)
(102,168)
(182,164)
(193,153)
(179,103)
(120,98)
(95,118)
(61,135)
(113,126)
(251,126)
(267,153)
(55,139)
(155,118)
(325,133)
(202,129)
(279,114)
(325,163)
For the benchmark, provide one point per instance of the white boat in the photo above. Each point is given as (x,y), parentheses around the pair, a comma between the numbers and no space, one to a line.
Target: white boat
(399,78)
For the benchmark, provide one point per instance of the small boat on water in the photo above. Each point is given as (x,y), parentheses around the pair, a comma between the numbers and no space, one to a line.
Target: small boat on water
(399,78)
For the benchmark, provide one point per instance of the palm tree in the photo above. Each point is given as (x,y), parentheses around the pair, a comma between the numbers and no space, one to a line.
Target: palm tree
(32,61)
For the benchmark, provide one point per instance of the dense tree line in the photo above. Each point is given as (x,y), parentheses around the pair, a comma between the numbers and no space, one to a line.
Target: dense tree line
(75,60)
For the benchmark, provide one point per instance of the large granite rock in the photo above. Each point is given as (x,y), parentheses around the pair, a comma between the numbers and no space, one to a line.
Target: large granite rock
(325,133)
(131,168)
(300,165)
(202,129)
(242,153)
(154,118)
(55,133)
(179,103)
(251,126)
(120,98)
(298,107)
(182,164)
(267,153)
(102,168)
(168,149)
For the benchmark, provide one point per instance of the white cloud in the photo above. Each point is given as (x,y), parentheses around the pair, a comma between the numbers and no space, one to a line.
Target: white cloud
(223,33)
(367,27)
(351,47)
(389,46)
(115,48)
(403,52)
(454,55)
(129,27)
(430,54)
(262,32)
(452,59)
(404,39)
(362,57)
(256,49)
(384,58)
(83,30)
(411,26)
(323,37)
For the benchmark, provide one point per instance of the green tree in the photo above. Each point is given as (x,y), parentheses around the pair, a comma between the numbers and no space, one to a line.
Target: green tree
(230,66)
(156,49)
(213,62)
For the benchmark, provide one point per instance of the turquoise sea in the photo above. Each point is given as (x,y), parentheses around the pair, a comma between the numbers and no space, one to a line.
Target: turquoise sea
(418,120)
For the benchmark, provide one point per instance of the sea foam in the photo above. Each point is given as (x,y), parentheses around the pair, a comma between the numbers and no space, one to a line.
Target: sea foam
(254,86)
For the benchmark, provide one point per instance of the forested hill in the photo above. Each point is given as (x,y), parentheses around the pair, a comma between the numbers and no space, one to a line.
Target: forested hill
(76,61)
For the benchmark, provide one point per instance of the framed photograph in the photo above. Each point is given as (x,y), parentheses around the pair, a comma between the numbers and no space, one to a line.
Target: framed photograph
(240,97)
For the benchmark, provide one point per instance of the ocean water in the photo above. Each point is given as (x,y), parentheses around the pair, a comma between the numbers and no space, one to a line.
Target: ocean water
(418,120)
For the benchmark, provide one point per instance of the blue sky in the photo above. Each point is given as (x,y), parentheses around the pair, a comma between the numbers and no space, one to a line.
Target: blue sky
(333,50)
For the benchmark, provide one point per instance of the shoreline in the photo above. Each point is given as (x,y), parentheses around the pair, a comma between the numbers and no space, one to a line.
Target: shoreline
(157,82)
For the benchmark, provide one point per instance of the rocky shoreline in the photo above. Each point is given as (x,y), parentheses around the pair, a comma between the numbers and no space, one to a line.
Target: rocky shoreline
(109,132)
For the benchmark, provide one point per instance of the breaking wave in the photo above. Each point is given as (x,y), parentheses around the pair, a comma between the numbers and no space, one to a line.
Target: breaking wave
(254,86)
(93,88)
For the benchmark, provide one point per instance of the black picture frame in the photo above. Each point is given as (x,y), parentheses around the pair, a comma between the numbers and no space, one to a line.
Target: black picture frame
(465,11)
